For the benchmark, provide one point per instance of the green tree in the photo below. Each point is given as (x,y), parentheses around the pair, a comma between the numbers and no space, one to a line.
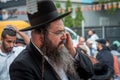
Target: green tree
(68,20)
(68,4)
(79,17)
(58,6)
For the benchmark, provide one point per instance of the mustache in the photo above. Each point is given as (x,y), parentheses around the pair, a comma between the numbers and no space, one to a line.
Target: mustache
(62,42)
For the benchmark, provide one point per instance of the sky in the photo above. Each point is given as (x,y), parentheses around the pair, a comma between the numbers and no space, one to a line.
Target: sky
(87,1)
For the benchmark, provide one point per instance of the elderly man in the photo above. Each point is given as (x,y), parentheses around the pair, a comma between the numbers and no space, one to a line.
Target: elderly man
(50,54)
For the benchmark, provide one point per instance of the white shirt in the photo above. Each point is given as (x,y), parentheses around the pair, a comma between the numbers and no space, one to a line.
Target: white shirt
(93,38)
(6,59)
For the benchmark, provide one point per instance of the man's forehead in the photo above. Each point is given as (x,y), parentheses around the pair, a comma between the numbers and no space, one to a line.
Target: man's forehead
(9,37)
(58,24)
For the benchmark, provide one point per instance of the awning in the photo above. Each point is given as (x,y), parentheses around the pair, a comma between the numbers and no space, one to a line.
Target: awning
(17,23)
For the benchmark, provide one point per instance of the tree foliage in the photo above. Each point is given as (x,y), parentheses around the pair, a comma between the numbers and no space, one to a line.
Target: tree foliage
(68,20)
(79,17)
(58,4)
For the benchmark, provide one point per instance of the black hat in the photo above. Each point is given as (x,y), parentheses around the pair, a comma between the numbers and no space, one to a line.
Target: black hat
(101,41)
(46,13)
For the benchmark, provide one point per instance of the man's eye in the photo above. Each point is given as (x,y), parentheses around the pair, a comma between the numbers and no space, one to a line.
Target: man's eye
(59,32)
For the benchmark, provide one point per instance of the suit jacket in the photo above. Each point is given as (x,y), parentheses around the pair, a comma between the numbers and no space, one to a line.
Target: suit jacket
(104,68)
(27,66)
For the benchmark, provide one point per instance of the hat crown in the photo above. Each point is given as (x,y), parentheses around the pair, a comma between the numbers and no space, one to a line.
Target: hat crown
(41,13)
(101,41)
(46,11)
(44,7)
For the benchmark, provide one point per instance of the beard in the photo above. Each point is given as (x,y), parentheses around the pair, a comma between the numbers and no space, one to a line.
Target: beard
(60,57)
(6,49)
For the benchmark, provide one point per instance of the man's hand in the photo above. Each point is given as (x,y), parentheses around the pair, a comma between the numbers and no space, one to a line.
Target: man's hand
(16,29)
(69,45)
(23,35)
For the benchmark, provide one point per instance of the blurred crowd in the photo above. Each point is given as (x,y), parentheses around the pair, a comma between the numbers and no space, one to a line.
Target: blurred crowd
(101,50)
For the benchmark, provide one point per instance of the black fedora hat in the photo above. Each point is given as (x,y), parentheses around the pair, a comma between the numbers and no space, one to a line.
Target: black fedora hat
(101,41)
(46,13)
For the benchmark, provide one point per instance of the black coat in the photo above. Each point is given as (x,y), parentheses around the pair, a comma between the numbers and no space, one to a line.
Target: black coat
(106,57)
(104,69)
(27,66)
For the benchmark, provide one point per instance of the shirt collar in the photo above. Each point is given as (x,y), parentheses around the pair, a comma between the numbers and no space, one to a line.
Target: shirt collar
(6,54)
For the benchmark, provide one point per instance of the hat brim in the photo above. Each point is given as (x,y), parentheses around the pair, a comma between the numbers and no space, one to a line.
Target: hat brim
(37,26)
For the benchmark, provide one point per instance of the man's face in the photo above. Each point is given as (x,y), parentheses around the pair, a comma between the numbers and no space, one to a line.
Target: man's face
(8,43)
(90,32)
(99,46)
(54,41)
(56,33)
(81,41)
(54,47)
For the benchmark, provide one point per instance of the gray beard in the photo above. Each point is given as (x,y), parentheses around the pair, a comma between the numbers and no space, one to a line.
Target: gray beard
(66,60)
(59,57)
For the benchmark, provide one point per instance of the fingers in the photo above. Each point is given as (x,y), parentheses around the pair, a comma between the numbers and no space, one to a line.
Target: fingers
(68,40)
(69,44)
(16,29)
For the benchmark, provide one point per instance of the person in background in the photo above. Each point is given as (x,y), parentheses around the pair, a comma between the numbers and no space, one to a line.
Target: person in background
(92,36)
(8,52)
(104,69)
(113,49)
(50,54)
(82,45)
(108,44)
(116,55)
(86,50)
(93,51)
(117,44)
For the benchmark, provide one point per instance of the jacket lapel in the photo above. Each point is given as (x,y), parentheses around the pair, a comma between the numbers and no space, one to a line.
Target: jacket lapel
(49,72)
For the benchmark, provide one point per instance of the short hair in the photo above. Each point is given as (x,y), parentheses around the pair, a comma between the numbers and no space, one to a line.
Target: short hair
(92,31)
(9,30)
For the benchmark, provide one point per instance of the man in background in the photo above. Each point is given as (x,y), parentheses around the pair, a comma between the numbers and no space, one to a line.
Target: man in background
(82,45)
(104,68)
(8,52)
(92,36)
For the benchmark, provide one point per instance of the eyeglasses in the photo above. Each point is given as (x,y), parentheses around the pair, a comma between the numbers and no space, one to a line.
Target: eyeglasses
(9,27)
(58,33)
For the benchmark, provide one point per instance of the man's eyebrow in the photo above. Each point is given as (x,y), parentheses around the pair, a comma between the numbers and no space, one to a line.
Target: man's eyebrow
(62,30)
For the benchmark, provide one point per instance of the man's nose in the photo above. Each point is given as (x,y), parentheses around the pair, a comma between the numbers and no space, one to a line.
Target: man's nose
(11,44)
(64,36)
